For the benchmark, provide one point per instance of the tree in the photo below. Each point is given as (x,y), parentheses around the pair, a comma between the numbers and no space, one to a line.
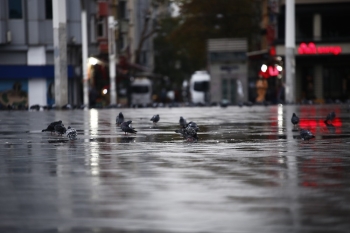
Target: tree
(201,20)
(181,45)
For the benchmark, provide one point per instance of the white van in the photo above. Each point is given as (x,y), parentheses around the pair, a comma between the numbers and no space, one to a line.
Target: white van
(200,87)
(141,92)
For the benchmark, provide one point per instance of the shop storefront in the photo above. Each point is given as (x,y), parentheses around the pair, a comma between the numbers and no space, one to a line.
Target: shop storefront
(322,72)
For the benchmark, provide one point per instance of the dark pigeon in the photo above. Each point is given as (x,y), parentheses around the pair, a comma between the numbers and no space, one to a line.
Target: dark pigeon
(120,118)
(71,133)
(306,135)
(330,117)
(51,127)
(126,127)
(155,118)
(189,132)
(60,129)
(295,119)
(182,122)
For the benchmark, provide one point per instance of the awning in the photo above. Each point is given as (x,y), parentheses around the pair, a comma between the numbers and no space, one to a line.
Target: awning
(24,71)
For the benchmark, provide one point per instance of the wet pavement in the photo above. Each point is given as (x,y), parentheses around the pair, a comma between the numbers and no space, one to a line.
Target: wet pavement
(249,171)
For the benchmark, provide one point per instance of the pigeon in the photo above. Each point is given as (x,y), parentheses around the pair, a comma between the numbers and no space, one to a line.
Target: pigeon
(126,127)
(60,129)
(182,122)
(306,134)
(71,133)
(189,132)
(295,120)
(51,126)
(155,118)
(330,117)
(120,118)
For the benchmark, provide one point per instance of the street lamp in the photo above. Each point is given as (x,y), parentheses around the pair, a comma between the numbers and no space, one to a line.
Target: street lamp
(112,26)
(93,61)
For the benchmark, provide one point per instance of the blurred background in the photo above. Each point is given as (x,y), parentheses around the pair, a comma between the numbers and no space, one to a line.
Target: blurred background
(179,53)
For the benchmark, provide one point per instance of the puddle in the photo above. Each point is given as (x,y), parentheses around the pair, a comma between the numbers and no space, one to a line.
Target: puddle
(249,171)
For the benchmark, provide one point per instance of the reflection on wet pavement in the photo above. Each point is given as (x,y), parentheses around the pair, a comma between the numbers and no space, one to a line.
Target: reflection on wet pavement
(249,171)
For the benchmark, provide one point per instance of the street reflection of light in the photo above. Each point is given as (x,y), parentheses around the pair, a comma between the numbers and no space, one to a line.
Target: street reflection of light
(280,118)
(93,121)
(94,159)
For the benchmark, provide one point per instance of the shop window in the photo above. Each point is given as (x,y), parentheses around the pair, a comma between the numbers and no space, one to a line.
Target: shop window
(15,9)
(304,27)
(335,26)
(224,87)
(233,85)
(101,28)
(123,10)
(335,83)
(48,9)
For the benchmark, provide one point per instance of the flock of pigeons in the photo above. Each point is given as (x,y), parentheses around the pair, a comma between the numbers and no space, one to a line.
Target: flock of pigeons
(58,127)
(187,130)
(306,134)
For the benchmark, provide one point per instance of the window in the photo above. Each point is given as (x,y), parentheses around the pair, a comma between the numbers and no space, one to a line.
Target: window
(15,9)
(201,86)
(233,91)
(335,26)
(48,9)
(140,89)
(224,88)
(304,27)
(123,10)
(101,28)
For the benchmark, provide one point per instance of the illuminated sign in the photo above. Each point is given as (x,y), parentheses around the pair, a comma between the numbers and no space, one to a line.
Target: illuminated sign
(311,48)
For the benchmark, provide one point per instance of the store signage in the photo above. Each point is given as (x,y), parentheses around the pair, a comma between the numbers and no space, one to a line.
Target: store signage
(311,48)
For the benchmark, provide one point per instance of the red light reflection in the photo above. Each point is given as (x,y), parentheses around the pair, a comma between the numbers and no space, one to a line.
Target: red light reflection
(311,118)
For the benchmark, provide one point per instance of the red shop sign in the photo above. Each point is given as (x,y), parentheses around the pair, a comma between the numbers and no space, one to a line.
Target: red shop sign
(311,48)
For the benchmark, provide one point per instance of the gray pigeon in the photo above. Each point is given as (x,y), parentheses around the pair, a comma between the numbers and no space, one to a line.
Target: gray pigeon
(71,133)
(120,118)
(182,122)
(295,119)
(155,118)
(330,117)
(51,126)
(126,127)
(306,135)
(189,132)
(60,129)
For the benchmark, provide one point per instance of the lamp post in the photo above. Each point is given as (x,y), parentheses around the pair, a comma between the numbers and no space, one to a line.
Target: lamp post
(60,52)
(290,46)
(84,45)
(112,25)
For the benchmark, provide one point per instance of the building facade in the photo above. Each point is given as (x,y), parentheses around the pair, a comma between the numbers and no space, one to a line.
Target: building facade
(227,63)
(322,50)
(136,27)
(27,48)
(27,51)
